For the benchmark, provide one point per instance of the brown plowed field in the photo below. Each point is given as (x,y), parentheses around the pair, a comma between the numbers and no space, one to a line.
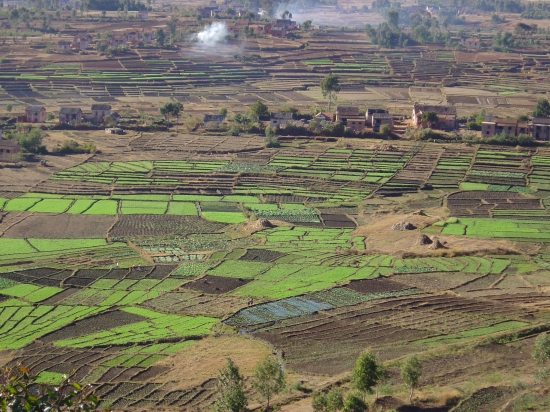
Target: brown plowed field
(159,225)
(63,226)
(216,284)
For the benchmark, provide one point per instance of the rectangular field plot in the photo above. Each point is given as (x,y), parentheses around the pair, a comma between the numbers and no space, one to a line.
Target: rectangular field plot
(521,230)
(156,326)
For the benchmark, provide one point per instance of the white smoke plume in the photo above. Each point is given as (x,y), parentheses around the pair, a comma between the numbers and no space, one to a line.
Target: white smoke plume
(213,34)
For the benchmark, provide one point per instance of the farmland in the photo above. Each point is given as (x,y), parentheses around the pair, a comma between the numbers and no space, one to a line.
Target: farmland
(139,268)
(112,286)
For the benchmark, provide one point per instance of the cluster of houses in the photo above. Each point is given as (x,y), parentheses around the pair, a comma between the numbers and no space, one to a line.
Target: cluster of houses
(227,8)
(130,37)
(375,118)
(350,116)
(71,115)
(80,42)
(538,127)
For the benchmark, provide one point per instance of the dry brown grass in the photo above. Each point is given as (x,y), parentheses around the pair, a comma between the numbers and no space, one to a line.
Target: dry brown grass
(202,361)
(380,238)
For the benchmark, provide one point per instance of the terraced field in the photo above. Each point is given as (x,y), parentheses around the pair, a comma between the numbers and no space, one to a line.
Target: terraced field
(113,283)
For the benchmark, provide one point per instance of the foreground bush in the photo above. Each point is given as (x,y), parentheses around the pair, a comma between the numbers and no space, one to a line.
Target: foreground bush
(20,392)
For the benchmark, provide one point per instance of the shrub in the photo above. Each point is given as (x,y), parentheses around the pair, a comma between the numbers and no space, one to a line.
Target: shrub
(233,131)
(31,142)
(71,147)
(16,394)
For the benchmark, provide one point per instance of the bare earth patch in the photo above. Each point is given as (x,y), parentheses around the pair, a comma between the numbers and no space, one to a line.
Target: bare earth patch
(381,238)
(192,367)
(64,226)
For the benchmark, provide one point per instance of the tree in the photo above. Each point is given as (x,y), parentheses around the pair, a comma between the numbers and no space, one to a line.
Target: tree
(306,25)
(335,400)
(385,130)
(330,85)
(430,117)
(365,373)
(286,14)
(19,392)
(393,17)
(354,403)
(160,37)
(542,109)
(496,19)
(332,401)
(9,107)
(171,24)
(268,378)
(31,142)
(176,110)
(230,389)
(223,112)
(259,109)
(166,110)
(319,402)
(411,370)
(422,34)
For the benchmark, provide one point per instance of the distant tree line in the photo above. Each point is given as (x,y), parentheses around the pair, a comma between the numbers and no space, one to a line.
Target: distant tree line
(536,11)
(509,6)
(114,5)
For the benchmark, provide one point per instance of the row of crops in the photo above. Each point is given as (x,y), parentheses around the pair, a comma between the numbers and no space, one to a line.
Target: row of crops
(360,171)
(227,209)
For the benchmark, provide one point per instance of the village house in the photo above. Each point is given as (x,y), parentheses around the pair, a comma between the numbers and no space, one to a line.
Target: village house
(8,149)
(114,130)
(356,123)
(140,14)
(446,116)
(492,126)
(70,115)
(35,114)
(326,117)
(132,36)
(343,112)
(380,119)
(99,111)
(280,27)
(63,45)
(212,118)
(370,112)
(207,12)
(280,119)
(116,40)
(470,42)
(540,128)
(82,42)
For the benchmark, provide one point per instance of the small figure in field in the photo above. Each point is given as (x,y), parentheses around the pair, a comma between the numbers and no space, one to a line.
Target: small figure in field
(139,268)
(117,265)
(282,354)
(249,302)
